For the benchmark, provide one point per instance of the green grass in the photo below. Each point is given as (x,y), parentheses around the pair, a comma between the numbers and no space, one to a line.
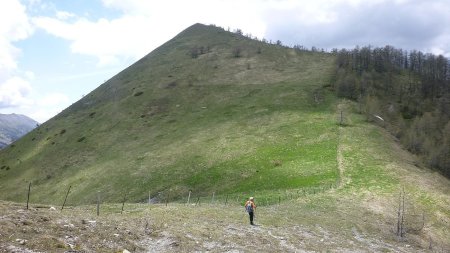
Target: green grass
(170,123)
(215,126)
(212,125)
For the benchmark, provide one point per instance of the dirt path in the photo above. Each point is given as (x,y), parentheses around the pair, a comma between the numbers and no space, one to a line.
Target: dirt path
(340,161)
(343,180)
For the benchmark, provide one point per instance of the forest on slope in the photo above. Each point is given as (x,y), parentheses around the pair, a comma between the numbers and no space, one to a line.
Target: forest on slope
(406,92)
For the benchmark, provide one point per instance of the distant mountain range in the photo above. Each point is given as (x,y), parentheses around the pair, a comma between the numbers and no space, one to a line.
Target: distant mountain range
(13,126)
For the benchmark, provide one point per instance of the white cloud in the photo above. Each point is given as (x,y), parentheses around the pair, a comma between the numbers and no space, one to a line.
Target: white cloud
(144,25)
(53,99)
(64,15)
(407,24)
(175,15)
(48,106)
(109,41)
(14,26)
(42,115)
(8,56)
(14,92)
(30,75)
(38,108)
(14,23)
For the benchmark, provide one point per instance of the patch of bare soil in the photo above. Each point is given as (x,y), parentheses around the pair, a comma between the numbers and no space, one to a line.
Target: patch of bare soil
(343,180)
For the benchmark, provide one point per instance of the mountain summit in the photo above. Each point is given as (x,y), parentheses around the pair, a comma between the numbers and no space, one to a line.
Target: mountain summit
(219,117)
(208,111)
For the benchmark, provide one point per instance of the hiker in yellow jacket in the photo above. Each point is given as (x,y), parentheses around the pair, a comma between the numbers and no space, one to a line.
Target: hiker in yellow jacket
(250,207)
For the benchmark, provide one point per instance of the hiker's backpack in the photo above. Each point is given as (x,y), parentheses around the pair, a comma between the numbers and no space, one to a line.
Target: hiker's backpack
(249,207)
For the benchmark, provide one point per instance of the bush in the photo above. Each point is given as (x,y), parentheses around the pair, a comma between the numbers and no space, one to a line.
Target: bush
(194,52)
(408,112)
(237,52)
(346,87)
(137,94)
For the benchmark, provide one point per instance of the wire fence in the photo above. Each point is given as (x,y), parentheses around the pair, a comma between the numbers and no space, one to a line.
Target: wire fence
(263,198)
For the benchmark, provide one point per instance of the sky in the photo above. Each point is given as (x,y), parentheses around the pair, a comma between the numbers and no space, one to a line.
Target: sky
(53,52)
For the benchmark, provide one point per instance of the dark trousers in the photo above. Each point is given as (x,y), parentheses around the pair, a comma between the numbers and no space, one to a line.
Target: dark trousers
(251,217)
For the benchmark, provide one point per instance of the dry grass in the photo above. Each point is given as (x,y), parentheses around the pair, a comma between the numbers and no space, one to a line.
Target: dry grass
(221,128)
(314,223)
(358,216)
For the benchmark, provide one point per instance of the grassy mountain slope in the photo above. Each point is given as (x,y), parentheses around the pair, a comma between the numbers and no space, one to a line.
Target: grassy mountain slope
(358,216)
(171,123)
(263,124)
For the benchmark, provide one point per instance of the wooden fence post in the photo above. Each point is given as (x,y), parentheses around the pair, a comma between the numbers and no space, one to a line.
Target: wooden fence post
(28,196)
(98,203)
(123,203)
(67,194)
(189,197)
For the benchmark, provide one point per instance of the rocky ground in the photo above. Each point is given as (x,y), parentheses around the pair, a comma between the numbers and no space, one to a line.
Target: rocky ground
(205,228)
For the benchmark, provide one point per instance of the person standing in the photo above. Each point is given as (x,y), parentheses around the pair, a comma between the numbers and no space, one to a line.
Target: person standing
(250,207)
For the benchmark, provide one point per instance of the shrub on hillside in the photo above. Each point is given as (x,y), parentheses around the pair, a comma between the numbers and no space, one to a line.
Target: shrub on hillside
(346,87)
(194,52)
(237,52)
(197,51)
(137,94)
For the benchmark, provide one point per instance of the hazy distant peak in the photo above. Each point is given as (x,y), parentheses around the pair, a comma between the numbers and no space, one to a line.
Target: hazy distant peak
(13,126)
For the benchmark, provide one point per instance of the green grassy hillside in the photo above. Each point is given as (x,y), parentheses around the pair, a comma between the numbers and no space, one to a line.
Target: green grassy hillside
(360,215)
(264,124)
(171,123)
